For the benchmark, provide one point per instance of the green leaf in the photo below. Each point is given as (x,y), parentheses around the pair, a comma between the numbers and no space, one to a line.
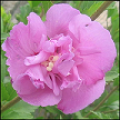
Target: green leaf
(40,117)
(17,115)
(89,7)
(61,117)
(99,115)
(24,107)
(115,28)
(4,36)
(111,75)
(35,3)
(4,92)
(114,105)
(30,3)
(6,21)
(90,10)
(116,82)
(24,12)
(2,11)
(112,98)
(21,110)
(52,109)
(11,91)
(46,5)
(35,6)
(111,12)
(111,6)
(79,116)
(2,26)
(3,68)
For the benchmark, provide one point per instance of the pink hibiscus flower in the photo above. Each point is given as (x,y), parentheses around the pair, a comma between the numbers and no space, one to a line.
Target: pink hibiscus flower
(61,61)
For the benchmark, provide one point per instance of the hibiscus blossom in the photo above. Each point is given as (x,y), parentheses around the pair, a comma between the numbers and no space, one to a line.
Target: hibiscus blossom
(61,61)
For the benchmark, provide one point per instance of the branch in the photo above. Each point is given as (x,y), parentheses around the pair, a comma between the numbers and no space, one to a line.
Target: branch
(110,111)
(100,104)
(11,103)
(101,9)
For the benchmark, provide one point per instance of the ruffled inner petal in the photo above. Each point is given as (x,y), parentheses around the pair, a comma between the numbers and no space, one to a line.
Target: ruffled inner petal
(32,95)
(65,66)
(42,56)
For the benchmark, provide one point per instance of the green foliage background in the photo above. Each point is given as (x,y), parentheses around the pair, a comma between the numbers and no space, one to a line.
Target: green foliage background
(22,110)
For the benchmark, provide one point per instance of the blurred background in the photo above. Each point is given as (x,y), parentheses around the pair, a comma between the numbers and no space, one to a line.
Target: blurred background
(14,8)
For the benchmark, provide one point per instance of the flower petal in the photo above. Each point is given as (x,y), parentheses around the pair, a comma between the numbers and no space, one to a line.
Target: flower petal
(36,30)
(95,46)
(23,85)
(24,41)
(55,84)
(78,21)
(65,66)
(58,17)
(30,94)
(39,73)
(73,101)
(15,58)
(42,56)
(49,46)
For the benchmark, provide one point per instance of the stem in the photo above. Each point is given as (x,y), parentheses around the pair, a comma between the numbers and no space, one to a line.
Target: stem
(11,103)
(110,111)
(101,9)
(100,104)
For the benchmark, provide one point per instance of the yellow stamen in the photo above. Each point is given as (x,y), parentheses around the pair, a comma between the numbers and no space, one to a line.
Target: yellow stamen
(55,58)
(51,64)
(49,68)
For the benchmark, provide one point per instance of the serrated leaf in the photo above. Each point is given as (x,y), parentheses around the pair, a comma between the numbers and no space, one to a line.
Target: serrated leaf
(111,75)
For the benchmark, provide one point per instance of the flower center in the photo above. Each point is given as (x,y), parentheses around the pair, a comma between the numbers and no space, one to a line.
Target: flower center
(50,62)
